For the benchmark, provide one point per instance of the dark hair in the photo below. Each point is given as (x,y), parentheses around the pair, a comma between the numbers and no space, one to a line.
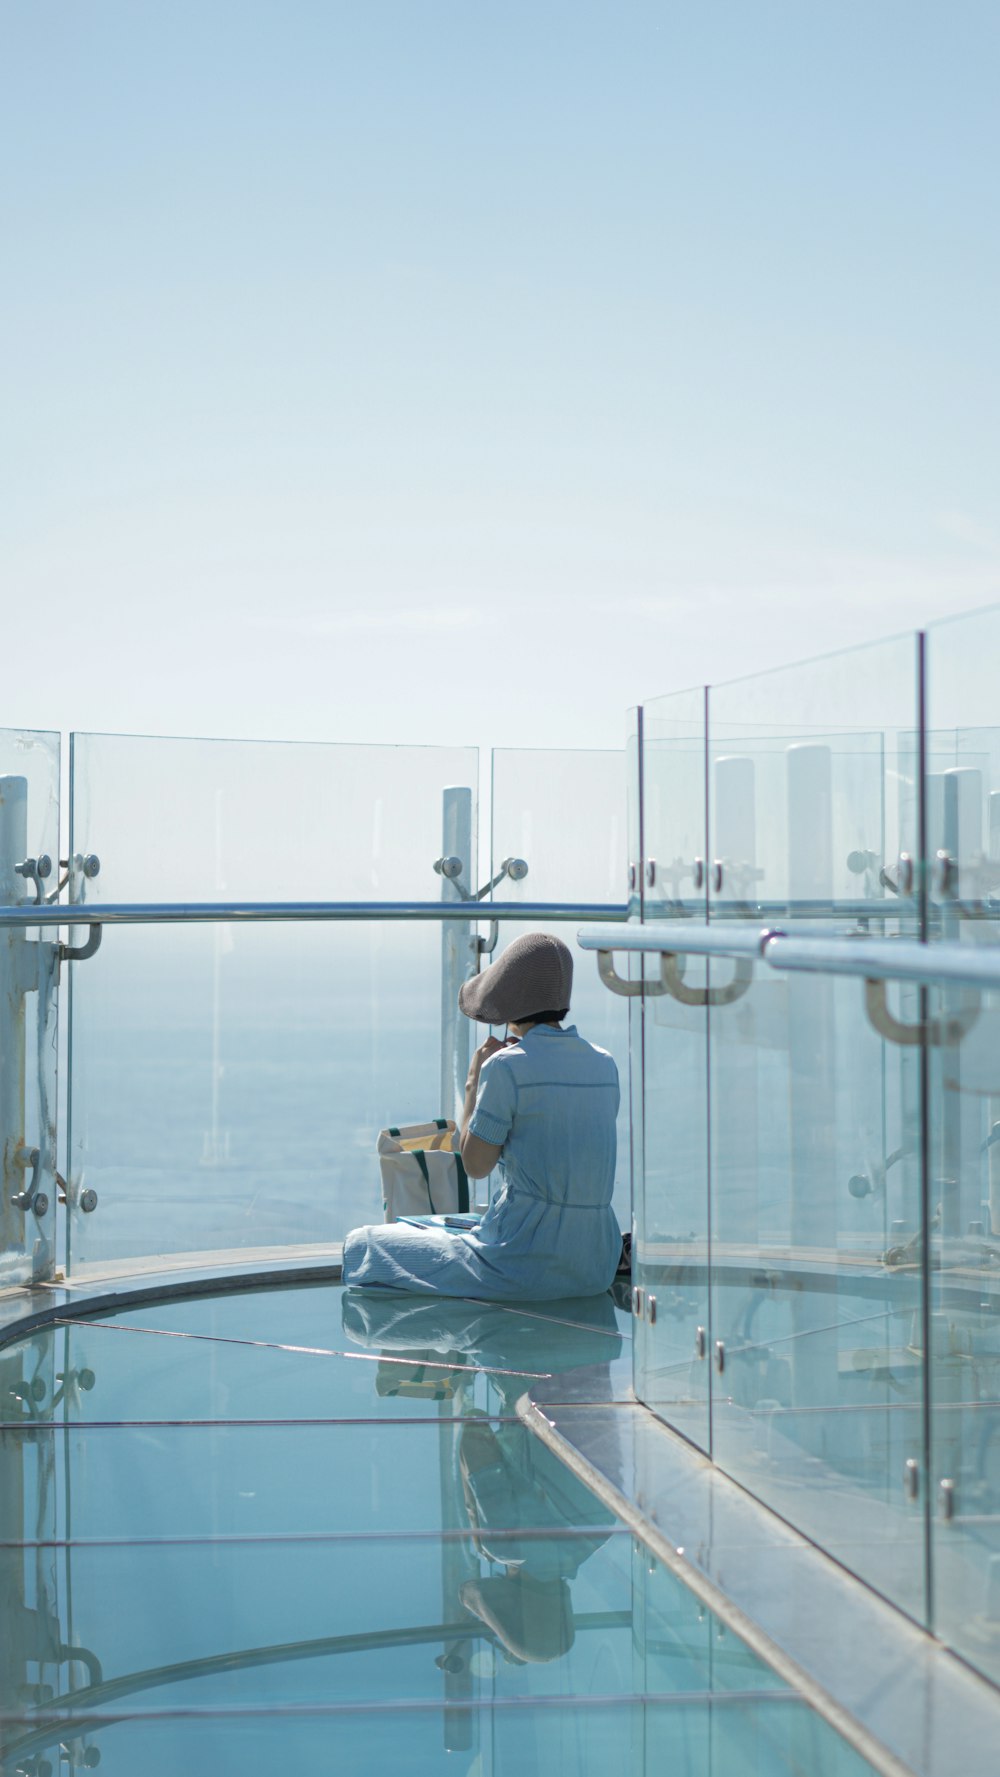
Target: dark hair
(543,1017)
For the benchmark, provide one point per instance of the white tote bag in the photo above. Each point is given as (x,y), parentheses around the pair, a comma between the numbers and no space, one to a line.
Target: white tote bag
(422,1173)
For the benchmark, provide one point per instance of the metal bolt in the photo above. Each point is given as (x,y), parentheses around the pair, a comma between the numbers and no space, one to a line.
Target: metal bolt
(717,876)
(944,873)
(449,867)
(40,1204)
(517,869)
(698,873)
(22,1200)
(88,1201)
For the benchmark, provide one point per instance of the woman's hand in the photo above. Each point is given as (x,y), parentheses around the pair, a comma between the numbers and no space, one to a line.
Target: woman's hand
(483,1053)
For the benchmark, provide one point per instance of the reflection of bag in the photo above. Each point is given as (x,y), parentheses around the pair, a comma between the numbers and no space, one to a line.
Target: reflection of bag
(416,1381)
(421,1171)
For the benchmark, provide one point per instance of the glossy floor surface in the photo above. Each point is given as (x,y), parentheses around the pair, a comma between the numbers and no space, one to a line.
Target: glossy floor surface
(299,1528)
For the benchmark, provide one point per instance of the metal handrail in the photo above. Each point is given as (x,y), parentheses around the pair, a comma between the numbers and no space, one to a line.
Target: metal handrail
(124,913)
(679,938)
(866,959)
(886,959)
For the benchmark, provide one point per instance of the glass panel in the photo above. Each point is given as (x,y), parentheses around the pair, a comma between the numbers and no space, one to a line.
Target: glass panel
(310,1354)
(29,829)
(963,848)
(632,967)
(744,1737)
(274,1606)
(157,1482)
(815,1126)
(670,1261)
(228,1085)
(277,1624)
(565,814)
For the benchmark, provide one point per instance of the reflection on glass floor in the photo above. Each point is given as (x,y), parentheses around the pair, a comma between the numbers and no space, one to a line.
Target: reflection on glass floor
(260,1529)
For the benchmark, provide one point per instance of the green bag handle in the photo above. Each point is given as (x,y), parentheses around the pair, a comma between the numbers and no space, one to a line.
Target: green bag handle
(463,1180)
(419,1157)
(463,1177)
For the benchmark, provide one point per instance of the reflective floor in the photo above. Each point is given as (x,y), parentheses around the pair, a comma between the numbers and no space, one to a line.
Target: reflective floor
(253,1530)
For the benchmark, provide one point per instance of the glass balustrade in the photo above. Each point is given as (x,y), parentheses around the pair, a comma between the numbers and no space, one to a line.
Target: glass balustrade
(670,1257)
(563,814)
(963,1181)
(29,974)
(812,1158)
(228,1081)
(815,1132)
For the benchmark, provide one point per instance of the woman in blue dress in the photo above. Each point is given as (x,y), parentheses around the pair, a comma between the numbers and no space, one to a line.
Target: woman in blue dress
(542,1106)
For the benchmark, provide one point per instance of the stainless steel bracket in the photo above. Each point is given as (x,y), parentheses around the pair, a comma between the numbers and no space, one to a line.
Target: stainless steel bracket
(36,870)
(616,983)
(672,982)
(78,953)
(451,868)
(31,1197)
(937,1033)
(486,946)
(707,996)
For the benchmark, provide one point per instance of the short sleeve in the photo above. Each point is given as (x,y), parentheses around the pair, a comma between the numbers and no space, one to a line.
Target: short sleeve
(495,1104)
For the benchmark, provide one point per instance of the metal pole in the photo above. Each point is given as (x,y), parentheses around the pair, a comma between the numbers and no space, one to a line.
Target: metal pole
(812,1064)
(735,1138)
(457,959)
(14,1223)
(964,1113)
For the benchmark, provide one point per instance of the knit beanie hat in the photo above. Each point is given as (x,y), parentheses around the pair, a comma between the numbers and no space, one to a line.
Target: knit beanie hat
(534,974)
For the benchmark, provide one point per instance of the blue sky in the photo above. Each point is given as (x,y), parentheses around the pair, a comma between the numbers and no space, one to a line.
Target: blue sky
(416,370)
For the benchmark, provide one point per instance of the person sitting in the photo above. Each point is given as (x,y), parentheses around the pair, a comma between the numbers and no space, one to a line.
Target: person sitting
(541,1105)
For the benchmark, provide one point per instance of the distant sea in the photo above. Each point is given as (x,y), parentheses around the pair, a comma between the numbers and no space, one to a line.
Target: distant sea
(228,1091)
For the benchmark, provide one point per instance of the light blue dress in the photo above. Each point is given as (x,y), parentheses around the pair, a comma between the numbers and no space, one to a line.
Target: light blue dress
(550,1102)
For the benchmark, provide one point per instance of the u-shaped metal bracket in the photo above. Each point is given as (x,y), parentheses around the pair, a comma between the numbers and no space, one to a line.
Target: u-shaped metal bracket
(937,1033)
(672,982)
(707,996)
(486,946)
(78,953)
(616,983)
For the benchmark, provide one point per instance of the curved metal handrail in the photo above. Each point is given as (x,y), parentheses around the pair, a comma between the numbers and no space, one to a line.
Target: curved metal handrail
(874,961)
(123,913)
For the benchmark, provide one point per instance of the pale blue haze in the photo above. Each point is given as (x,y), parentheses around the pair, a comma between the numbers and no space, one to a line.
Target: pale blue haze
(346,347)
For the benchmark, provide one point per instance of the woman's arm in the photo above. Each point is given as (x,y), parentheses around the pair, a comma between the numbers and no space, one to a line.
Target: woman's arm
(478,1157)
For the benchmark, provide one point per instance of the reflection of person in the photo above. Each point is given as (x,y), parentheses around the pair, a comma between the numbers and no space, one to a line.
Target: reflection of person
(529,1515)
(543,1106)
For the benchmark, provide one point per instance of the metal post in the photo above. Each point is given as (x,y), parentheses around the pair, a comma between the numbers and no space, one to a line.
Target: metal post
(812,1064)
(15,1226)
(458,960)
(736,1158)
(963,1112)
